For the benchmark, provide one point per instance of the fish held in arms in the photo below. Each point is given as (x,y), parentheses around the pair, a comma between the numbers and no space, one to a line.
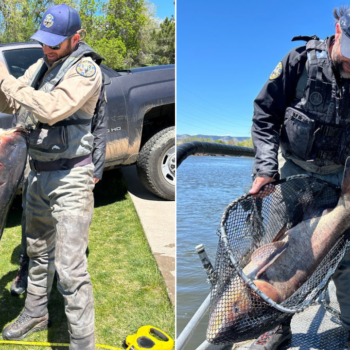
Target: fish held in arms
(13,157)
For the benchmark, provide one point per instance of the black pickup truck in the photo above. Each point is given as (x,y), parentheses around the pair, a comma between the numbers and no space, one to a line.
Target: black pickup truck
(141,116)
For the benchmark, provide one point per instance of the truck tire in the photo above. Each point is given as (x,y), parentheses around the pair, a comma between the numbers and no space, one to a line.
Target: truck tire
(156,164)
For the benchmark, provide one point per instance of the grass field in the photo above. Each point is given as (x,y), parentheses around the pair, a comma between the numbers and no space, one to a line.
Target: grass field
(128,288)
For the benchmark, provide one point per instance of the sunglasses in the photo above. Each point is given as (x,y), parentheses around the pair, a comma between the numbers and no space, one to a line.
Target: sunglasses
(56,47)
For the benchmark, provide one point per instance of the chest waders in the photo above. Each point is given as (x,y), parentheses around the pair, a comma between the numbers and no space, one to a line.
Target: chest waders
(59,207)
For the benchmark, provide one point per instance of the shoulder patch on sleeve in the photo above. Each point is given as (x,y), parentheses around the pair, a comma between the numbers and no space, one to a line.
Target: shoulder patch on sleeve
(277,71)
(86,68)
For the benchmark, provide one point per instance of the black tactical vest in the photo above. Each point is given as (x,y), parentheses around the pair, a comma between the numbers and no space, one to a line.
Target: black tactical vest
(316,127)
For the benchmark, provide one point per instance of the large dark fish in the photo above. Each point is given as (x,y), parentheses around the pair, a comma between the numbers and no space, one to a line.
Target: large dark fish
(13,156)
(279,268)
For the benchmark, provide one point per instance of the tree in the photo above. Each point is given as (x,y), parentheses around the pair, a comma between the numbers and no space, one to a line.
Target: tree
(124,20)
(113,50)
(94,22)
(113,29)
(145,55)
(165,42)
(17,21)
(90,21)
(245,143)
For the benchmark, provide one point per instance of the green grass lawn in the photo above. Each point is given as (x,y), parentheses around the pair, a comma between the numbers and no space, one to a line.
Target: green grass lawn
(128,288)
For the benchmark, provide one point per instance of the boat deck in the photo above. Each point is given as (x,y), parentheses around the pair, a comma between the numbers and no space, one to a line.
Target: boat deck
(315,328)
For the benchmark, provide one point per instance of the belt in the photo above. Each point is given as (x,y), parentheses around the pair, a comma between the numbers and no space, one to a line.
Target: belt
(60,164)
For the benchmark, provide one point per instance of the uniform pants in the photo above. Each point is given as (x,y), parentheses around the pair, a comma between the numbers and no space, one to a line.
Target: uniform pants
(59,207)
(341,276)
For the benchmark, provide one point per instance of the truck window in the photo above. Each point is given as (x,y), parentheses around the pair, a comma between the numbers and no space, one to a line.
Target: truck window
(20,59)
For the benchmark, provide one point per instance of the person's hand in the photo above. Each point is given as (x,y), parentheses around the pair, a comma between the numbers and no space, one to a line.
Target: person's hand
(259,182)
(3,71)
(96,180)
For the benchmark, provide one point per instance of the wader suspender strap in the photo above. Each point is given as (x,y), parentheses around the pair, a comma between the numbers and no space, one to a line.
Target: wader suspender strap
(39,76)
(331,107)
(35,84)
(319,83)
(302,82)
(70,61)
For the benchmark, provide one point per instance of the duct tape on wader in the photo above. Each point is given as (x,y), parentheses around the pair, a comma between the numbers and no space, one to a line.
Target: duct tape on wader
(149,337)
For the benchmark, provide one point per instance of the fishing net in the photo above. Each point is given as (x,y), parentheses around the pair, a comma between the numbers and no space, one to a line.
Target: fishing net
(237,312)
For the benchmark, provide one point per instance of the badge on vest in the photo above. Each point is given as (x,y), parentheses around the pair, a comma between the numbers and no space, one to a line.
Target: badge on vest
(48,21)
(86,69)
(316,98)
(277,71)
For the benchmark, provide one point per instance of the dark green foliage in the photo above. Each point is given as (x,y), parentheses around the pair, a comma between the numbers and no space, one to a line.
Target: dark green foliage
(195,138)
(165,40)
(246,143)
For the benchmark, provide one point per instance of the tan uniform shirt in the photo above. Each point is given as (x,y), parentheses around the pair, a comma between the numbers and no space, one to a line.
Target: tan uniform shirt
(74,92)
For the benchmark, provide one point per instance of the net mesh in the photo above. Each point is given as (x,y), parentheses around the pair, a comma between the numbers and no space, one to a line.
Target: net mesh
(237,313)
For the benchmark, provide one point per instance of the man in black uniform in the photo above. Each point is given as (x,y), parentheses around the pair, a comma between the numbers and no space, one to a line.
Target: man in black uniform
(301,125)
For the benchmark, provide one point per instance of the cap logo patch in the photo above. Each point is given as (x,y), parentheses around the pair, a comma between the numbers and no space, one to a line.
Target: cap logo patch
(86,69)
(277,71)
(48,21)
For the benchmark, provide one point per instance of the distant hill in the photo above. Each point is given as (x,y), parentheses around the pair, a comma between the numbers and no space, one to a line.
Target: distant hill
(213,137)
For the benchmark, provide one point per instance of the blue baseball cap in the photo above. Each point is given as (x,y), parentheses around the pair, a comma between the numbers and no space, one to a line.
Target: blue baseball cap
(345,37)
(58,23)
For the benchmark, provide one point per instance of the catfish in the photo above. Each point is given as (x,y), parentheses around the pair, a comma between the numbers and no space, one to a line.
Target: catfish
(13,157)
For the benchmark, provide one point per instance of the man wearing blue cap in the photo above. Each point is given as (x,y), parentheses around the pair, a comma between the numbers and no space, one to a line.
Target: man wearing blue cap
(301,125)
(55,100)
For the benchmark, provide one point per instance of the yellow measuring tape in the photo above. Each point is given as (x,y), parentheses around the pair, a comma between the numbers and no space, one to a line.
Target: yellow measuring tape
(147,337)
(11,342)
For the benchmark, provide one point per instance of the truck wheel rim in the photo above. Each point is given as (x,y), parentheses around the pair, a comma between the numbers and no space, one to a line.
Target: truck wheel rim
(168,166)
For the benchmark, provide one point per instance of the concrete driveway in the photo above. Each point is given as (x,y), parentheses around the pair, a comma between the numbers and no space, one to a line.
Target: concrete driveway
(157,217)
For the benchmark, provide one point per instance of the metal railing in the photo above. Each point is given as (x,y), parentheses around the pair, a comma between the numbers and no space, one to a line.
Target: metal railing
(190,148)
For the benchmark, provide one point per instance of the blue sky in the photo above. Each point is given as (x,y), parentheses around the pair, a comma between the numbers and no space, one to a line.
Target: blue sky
(226,50)
(165,8)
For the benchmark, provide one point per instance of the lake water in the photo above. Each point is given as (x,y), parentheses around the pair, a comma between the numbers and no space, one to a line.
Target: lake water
(205,186)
